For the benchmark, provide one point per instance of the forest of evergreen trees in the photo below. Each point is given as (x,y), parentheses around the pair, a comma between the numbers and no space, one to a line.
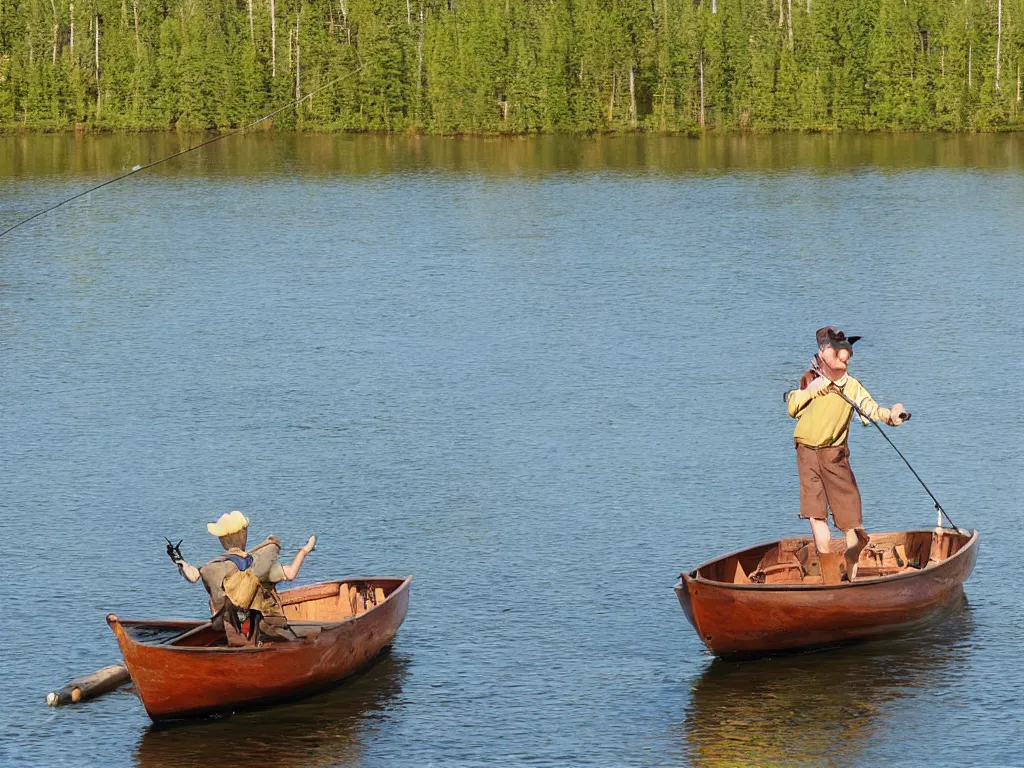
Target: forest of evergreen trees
(515,66)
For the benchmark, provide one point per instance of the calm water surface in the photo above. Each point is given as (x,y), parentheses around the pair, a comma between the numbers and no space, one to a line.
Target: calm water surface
(542,376)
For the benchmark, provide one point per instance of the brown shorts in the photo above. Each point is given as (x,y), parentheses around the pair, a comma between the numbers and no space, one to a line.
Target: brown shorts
(826,480)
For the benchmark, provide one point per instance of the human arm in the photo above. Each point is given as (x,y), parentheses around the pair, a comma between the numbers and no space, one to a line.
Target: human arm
(189,572)
(856,392)
(799,399)
(291,571)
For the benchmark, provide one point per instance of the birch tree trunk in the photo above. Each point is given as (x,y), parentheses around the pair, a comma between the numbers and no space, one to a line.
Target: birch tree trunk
(97,62)
(298,60)
(701,67)
(135,12)
(252,30)
(714,6)
(419,69)
(273,40)
(611,101)
(632,97)
(789,20)
(999,41)
(970,64)
(71,39)
(56,31)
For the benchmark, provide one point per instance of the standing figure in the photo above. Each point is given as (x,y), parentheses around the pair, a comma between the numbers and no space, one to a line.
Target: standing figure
(822,452)
(243,581)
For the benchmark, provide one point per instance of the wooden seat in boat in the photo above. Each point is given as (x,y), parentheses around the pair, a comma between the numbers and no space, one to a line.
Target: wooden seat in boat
(796,561)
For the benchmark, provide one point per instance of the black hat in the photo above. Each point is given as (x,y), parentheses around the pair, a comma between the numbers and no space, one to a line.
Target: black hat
(835,339)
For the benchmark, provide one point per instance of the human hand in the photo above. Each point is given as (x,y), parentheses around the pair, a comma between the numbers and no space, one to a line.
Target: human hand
(819,386)
(174,551)
(897,415)
(310,545)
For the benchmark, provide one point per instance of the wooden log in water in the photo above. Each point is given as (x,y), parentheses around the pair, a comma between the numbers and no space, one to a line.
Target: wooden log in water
(89,687)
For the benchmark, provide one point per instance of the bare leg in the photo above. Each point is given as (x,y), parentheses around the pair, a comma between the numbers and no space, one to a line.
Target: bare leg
(856,540)
(822,535)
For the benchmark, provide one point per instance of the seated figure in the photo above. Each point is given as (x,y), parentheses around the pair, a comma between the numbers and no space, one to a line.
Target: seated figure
(244,582)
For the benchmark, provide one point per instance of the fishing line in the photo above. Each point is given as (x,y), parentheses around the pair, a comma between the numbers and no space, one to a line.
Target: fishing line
(140,168)
(855,407)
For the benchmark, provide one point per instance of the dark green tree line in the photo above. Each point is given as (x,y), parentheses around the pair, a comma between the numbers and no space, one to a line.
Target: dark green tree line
(514,66)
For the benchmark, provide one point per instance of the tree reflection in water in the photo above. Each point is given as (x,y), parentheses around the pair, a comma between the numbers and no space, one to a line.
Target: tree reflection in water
(818,708)
(328,729)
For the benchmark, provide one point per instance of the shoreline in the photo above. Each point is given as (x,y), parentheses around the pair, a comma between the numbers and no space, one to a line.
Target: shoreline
(81,130)
(266,151)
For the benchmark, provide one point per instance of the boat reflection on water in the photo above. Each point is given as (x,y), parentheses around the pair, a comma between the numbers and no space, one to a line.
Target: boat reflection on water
(818,708)
(328,729)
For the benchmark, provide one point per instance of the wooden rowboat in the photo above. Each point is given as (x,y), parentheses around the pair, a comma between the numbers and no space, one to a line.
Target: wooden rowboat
(780,596)
(185,669)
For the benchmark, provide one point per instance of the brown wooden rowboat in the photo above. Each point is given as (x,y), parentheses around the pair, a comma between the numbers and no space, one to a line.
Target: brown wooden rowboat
(774,597)
(184,668)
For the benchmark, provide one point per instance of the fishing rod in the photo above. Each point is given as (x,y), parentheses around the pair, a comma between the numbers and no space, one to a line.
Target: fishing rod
(864,417)
(139,168)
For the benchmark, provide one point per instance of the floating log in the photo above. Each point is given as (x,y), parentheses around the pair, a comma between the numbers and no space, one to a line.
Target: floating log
(99,682)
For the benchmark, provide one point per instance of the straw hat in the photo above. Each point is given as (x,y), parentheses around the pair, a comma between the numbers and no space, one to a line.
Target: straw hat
(228,523)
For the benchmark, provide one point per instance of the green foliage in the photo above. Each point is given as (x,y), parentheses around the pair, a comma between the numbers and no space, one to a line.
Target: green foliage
(513,66)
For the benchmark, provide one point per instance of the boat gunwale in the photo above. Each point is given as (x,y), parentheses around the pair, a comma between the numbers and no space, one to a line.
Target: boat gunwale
(330,626)
(690,577)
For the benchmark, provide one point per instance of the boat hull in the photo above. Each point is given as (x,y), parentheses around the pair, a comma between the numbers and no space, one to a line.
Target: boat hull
(175,682)
(757,619)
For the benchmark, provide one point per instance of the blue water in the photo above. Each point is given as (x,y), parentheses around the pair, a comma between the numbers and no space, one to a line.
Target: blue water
(542,377)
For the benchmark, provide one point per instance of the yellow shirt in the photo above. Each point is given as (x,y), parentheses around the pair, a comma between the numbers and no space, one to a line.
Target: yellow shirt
(823,420)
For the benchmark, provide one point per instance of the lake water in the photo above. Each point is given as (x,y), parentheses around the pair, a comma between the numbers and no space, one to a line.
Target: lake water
(544,376)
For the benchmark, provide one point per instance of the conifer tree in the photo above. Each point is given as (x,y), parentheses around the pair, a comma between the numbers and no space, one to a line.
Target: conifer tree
(517,66)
